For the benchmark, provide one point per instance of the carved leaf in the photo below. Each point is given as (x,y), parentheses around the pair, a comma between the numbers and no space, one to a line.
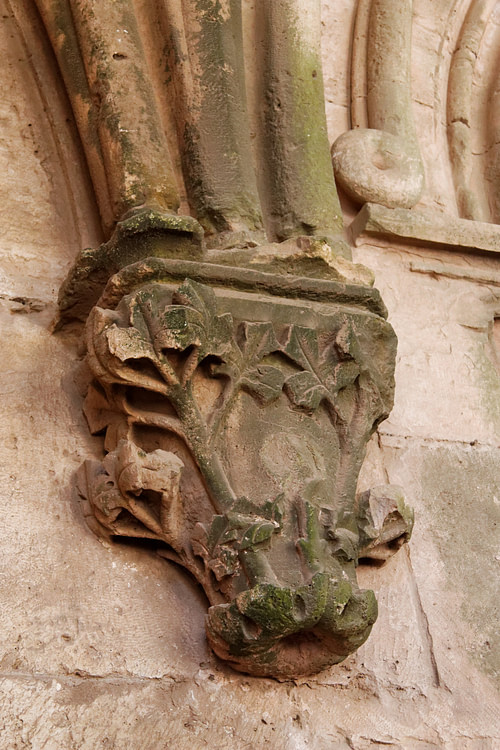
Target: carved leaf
(214,547)
(259,340)
(128,343)
(225,564)
(347,342)
(305,390)
(218,531)
(246,526)
(328,366)
(257,534)
(128,480)
(302,347)
(98,412)
(385,521)
(214,333)
(244,511)
(344,544)
(198,296)
(113,346)
(154,329)
(102,326)
(180,328)
(102,414)
(145,309)
(155,326)
(242,364)
(265,382)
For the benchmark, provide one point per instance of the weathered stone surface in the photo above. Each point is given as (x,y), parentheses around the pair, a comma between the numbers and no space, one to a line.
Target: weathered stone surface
(324,258)
(428,227)
(187,383)
(276,284)
(379,160)
(463,406)
(145,233)
(448,480)
(143,642)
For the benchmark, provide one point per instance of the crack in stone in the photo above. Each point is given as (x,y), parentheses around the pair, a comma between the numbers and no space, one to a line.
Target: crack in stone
(425,442)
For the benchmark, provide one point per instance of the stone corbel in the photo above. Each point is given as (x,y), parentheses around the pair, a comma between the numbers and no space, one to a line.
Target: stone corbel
(236,406)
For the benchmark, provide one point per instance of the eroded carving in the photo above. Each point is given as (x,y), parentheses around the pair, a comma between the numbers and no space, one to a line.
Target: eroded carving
(236,427)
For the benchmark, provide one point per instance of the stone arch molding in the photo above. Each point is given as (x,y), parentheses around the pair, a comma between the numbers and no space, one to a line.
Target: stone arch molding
(241,361)
(473,113)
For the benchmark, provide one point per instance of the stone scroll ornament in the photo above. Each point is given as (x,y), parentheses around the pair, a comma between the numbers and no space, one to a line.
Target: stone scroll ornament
(240,360)
(379,160)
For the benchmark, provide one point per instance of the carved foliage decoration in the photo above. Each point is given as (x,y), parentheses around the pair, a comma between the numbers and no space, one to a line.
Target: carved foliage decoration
(179,382)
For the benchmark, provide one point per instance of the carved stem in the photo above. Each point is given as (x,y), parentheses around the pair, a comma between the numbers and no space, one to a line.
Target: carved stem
(221,493)
(257,567)
(230,395)
(353,437)
(151,419)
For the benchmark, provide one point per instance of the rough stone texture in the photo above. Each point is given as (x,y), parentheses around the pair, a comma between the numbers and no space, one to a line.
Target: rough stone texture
(425,227)
(239,386)
(105,646)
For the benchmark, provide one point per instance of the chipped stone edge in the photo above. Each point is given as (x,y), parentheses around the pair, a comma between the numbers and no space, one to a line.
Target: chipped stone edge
(426,227)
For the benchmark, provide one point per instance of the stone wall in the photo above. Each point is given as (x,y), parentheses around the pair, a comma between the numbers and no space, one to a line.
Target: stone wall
(104,646)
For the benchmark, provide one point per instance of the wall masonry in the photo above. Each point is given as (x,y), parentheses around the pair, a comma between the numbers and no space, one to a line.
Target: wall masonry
(103,643)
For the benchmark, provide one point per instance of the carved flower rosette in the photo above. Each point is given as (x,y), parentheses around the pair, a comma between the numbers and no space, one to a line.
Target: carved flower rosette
(235,427)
